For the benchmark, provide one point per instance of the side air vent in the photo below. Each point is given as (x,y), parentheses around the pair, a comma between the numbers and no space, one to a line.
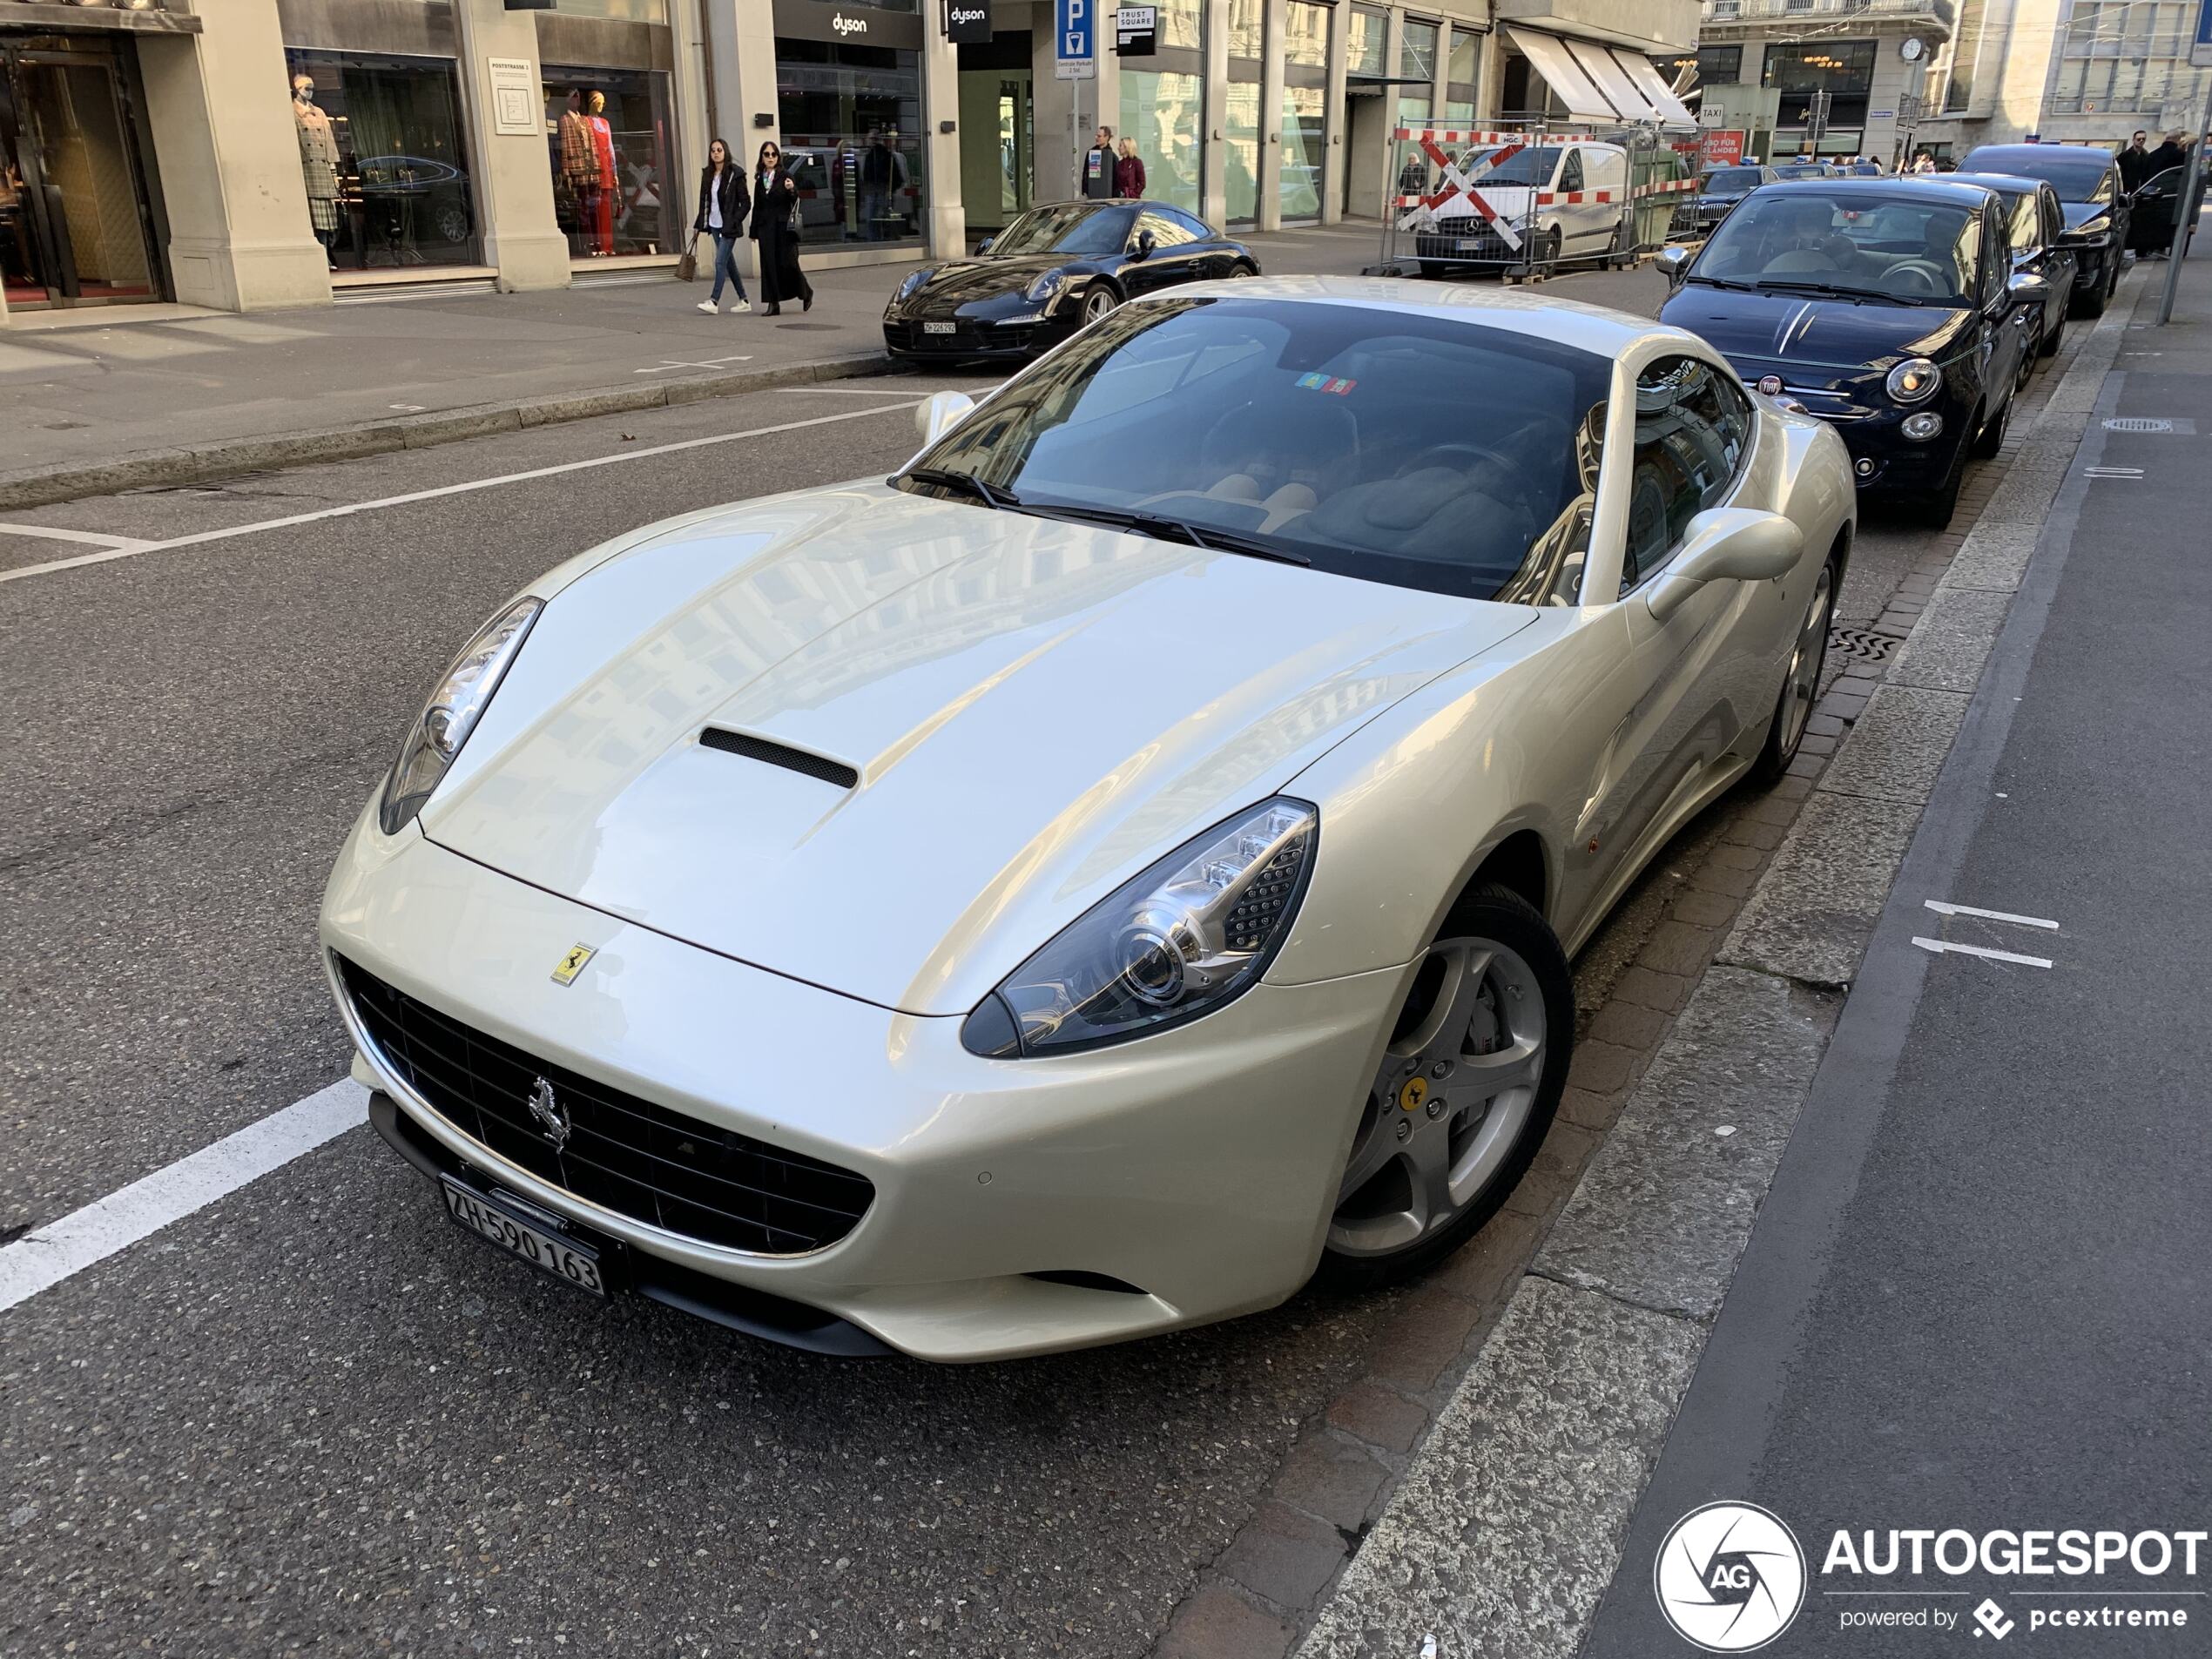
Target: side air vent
(777,754)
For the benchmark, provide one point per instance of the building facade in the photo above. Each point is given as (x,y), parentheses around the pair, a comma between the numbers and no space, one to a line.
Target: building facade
(2075,72)
(1761,64)
(246,154)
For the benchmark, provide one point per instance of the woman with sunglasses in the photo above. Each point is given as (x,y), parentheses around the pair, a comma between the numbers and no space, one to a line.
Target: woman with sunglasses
(775,226)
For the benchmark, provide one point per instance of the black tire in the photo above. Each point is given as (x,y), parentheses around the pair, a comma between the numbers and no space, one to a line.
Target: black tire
(1497,913)
(1783,735)
(1933,510)
(2053,338)
(1098,300)
(1543,253)
(1991,438)
(2091,304)
(1243,268)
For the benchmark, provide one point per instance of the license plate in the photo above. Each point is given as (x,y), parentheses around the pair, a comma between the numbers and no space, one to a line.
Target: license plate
(565,1259)
(940,328)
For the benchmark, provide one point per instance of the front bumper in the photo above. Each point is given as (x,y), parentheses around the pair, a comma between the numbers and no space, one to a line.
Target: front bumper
(1014,337)
(1197,1166)
(1883,459)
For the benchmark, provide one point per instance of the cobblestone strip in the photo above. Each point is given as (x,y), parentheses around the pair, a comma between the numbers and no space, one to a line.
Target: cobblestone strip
(1474,1483)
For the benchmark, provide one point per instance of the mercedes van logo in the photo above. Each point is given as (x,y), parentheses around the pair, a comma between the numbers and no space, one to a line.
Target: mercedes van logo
(552,1117)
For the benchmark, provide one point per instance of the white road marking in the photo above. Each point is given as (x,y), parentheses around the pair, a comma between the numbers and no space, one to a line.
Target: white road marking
(44,1259)
(52,534)
(666,364)
(621,458)
(1943,909)
(2125,473)
(1942,946)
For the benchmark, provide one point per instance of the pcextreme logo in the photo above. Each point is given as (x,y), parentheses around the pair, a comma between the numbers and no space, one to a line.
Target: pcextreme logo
(1730,1577)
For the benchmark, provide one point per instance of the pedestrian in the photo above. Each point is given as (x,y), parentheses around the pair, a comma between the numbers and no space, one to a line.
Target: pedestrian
(723,207)
(1098,166)
(883,173)
(2135,162)
(1129,173)
(775,227)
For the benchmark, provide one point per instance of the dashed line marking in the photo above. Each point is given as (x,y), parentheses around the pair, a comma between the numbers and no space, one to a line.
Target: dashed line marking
(1942,947)
(1942,908)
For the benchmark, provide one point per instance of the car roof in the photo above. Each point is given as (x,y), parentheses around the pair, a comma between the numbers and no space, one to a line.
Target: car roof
(1945,192)
(1571,323)
(1999,153)
(2010,184)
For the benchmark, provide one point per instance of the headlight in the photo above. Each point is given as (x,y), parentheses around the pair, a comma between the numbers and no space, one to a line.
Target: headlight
(1046,287)
(451,713)
(1189,933)
(1913,379)
(913,281)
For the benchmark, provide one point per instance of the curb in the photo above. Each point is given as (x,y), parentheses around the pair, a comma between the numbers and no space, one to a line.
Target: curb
(1507,1524)
(42,486)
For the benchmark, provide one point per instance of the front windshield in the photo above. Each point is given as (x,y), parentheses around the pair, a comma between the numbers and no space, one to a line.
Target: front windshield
(1073,228)
(1530,166)
(1345,436)
(1911,251)
(1731,181)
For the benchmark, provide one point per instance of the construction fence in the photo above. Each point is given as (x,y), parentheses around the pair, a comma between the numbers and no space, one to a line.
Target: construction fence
(1524,201)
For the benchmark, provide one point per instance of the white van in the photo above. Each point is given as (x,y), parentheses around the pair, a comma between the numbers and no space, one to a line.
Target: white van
(1570,200)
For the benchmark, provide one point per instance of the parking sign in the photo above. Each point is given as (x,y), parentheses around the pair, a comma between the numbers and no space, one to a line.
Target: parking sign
(1075,35)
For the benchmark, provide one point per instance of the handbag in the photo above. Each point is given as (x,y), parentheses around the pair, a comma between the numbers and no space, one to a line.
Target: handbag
(687,262)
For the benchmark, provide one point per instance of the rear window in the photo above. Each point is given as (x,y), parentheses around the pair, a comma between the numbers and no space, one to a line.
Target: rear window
(1732,178)
(2078,174)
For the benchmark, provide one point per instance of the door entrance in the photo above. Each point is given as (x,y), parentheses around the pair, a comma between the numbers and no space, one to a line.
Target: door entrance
(997,127)
(75,228)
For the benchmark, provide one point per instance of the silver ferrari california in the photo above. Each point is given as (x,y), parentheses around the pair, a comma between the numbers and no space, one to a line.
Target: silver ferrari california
(1120,866)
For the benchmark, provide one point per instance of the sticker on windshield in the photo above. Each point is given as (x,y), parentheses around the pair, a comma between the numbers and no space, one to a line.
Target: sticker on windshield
(1324,383)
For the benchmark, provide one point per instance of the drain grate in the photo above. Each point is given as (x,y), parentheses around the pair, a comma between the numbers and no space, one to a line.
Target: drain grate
(1862,645)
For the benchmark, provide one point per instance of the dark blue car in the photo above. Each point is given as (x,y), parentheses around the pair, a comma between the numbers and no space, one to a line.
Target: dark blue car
(1888,307)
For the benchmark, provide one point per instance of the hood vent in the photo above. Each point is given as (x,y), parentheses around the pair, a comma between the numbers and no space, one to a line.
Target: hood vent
(777,754)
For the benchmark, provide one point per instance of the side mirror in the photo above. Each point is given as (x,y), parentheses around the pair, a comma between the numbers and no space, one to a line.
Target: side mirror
(1674,264)
(1727,543)
(1145,244)
(984,246)
(940,413)
(2025,288)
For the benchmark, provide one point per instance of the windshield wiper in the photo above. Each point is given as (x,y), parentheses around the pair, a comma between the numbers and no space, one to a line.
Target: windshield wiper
(968,484)
(1175,529)
(1857,296)
(1723,282)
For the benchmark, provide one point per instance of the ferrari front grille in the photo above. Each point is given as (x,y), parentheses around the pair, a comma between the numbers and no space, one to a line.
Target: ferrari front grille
(616,1150)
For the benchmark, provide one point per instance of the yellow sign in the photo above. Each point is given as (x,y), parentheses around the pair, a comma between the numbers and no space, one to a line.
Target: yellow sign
(572,964)
(1414,1092)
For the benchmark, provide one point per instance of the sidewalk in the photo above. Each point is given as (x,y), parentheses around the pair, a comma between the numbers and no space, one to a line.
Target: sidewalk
(121,403)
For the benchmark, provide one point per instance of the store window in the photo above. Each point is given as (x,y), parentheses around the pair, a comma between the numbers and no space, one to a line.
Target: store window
(853,134)
(1247,31)
(1462,76)
(1719,65)
(382,151)
(1369,53)
(75,219)
(1843,69)
(1305,141)
(1182,23)
(617,10)
(1242,131)
(607,130)
(1305,35)
(1163,112)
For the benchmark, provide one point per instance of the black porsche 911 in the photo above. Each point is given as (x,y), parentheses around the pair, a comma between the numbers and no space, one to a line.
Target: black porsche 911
(1051,271)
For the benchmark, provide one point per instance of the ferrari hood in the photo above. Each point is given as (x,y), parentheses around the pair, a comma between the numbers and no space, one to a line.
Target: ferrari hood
(1811,340)
(1015,714)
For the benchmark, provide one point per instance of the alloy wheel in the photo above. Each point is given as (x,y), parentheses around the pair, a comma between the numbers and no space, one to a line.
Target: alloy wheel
(1454,1090)
(1804,685)
(1097,303)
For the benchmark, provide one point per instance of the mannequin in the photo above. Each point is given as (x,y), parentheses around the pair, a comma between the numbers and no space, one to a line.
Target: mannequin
(318,161)
(602,154)
(579,170)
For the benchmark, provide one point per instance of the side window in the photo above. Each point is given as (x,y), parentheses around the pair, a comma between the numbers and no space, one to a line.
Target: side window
(1570,173)
(1693,429)
(1191,228)
(2054,217)
(1165,231)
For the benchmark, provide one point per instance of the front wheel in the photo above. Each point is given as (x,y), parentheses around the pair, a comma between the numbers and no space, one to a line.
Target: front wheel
(2091,304)
(1991,438)
(1934,509)
(1469,1083)
(1801,685)
(1098,300)
(2053,336)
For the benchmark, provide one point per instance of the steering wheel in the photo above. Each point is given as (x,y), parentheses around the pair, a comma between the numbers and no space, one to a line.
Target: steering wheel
(1925,273)
(1435,454)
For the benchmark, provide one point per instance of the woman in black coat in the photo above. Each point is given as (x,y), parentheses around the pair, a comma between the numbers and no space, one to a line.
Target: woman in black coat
(723,207)
(775,211)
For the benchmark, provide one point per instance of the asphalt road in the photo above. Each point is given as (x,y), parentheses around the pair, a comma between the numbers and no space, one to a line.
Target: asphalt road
(315,1415)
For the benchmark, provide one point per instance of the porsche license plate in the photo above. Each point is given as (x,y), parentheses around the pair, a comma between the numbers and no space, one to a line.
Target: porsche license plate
(940,328)
(563,1257)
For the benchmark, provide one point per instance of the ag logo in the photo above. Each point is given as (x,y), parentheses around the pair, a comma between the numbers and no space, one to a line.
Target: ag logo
(1730,1577)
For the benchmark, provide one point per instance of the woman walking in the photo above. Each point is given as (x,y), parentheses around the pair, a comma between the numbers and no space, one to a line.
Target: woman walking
(775,226)
(723,205)
(1129,173)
